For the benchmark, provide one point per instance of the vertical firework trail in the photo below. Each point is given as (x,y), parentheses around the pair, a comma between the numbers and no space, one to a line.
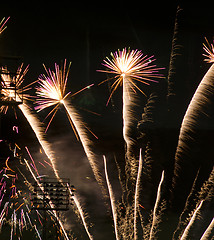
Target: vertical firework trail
(157,202)
(137,192)
(130,68)
(130,117)
(82,215)
(112,199)
(193,218)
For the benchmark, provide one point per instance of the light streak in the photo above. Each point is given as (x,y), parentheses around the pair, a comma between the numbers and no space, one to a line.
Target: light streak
(32,160)
(53,211)
(81,212)
(39,215)
(112,199)
(6,163)
(198,113)
(37,232)
(11,232)
(24,219)
(29,219)
(16,129)
(194,216)
(208,231)
(130,68)
(137,189)
(51,92)
(155,216)
(42,164)
(19,206)
(51,89)
(60,223)
(79,126)
(2,24)
(2,214)
(209,49)
(37,128)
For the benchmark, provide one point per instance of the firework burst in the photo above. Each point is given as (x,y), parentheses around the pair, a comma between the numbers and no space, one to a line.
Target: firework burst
(130,68)
(51,90)
(131,65)
(209,49)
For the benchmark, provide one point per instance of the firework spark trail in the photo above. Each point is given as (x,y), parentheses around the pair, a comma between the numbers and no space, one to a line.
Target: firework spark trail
(193,218)
(81,212)
(11,232)
(52,92)
(2,214)
(36,126)
(83,135)
(37,232)
(130,100)
(198,115)
(112,199)
(155,215)
(2,24)
(53,211)
(208,231)
(137,192)
(209,49)
(32,120)
(129,69)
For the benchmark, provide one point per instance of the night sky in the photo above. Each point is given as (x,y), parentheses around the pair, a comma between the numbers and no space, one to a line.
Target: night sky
(85,34)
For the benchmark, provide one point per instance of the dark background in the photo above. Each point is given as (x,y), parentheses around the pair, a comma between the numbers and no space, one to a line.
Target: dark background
(85,33)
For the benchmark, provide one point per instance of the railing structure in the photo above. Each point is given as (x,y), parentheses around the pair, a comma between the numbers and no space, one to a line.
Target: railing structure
(10,92)
(51,194)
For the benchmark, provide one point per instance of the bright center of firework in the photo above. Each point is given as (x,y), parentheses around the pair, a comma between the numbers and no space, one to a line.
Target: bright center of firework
(54,93)
(132,65)
(62,101)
